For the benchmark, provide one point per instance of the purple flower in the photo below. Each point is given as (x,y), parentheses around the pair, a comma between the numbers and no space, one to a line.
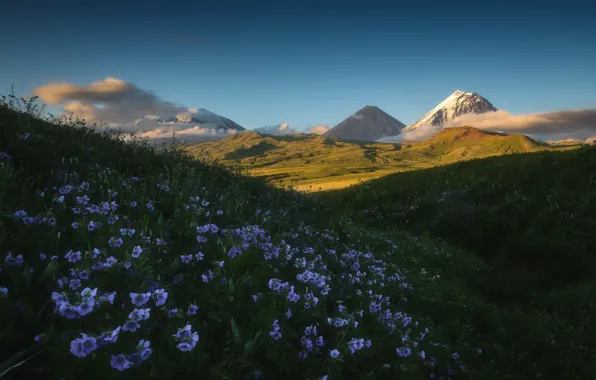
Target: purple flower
(83,346)
(3,291)
(144,350)
(160,296)
(186,258)
(42,256)
(20,214)
(334,354)
(115,242)
(120,362)
(75,284)
(139,299)
(131,326)
(136,252)
(73,257)
(68,311)
(10,260)
(275,334)
(186,338)
(172,312)
(192,309)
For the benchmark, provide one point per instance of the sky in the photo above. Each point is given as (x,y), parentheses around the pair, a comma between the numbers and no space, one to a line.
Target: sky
(308,63)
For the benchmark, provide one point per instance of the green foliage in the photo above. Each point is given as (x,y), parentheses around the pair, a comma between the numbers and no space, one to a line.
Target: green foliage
(466,302)
(72,265)
(530,218)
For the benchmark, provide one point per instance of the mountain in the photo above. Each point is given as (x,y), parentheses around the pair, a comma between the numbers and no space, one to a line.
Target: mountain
(368,124)
(277,129)
(456,104)
(203,118)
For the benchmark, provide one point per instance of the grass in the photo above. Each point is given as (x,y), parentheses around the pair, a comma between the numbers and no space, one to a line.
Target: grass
(244,253)
(530,217)
(314,163)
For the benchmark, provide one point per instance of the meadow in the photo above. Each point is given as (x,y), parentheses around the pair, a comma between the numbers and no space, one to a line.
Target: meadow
(312,163)
(125,259)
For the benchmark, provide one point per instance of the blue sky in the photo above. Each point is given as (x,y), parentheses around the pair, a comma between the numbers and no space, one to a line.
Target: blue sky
(310,62)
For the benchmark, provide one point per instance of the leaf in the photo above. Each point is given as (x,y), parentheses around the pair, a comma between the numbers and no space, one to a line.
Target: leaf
(7,365)
(235,331)
(248,347)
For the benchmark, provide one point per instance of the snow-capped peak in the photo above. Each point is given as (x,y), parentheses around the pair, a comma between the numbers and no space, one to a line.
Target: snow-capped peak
(203,118)
(456,104)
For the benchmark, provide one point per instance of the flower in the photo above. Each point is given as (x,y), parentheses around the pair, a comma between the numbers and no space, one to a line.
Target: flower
(83,346)
(72,256)
(139,299)
(120,362)
(186,338)
(10,260)
(192,309)
(160,296)
(334,353)
(275,334)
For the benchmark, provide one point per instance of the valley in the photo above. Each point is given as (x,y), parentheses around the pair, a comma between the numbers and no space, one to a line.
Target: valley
(311,163)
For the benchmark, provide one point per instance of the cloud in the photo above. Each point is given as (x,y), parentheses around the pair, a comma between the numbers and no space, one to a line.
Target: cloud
(319,129)
(280,129)
(185,133)
(555,126)
(134,110)
(421,133)
(111,100)
(558,125)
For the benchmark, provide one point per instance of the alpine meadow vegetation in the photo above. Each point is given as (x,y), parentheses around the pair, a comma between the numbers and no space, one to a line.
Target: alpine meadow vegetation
(124,259)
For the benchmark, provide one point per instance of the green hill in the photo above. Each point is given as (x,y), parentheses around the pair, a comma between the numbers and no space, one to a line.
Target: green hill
(531,214)
(313,162)
(120,259)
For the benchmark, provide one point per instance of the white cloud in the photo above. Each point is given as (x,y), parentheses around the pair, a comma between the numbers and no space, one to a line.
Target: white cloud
(319,129)
(280,129)
(124,106)
(555,126)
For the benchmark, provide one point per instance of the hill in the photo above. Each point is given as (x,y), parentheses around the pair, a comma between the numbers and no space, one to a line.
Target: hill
(368,124)
(529,213)
(123,257)
(313,162)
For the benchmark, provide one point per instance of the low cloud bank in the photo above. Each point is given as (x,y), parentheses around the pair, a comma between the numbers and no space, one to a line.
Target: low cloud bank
(558,125)
(124,106)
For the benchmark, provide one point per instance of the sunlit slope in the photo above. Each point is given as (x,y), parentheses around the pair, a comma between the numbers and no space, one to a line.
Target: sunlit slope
(313,162)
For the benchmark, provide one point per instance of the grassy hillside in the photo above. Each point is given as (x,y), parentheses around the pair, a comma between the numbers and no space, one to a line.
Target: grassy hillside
(312,162)
(124,260)
(531,215)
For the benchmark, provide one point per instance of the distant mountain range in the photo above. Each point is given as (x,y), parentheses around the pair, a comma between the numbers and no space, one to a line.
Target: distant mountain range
(371,123)
(368,124)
